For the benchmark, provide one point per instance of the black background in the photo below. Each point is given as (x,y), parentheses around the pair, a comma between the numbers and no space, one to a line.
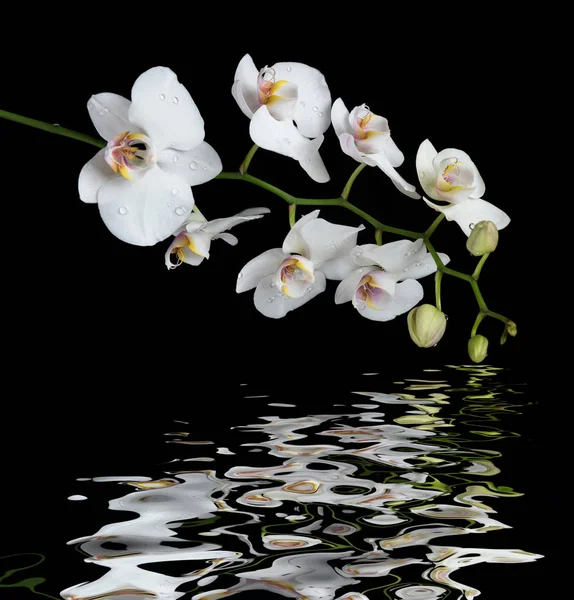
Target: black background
(101,340)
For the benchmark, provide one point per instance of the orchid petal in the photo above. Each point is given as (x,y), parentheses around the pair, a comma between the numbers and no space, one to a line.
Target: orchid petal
(218,225)
(439,207)
(426,170)
(196,166)
(165,110)
(421,268)
(385,166)
(244,88)
(227,237)
(346,289)
(146,211)
(473,211)
(271,303)
(259,267)
(414,195)
(349,147)
(407,295)
(93,175)
(294,241)
(327,240)
(312,112)
(282,100)
(460,156)
(109,114)
(393,154)
(281,136)
(393,257)
(199,243)
(338,268)
(255,210)
(340,118)
(315,167)
(184,253)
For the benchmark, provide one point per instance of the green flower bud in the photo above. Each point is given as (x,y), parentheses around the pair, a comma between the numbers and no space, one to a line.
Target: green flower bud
(477,348)
(482,239)
(511,328)
(426,325)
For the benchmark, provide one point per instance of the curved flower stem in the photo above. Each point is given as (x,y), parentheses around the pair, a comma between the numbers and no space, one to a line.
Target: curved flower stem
(379,237)
(53,128)
(477,322)
(437,281)
(292,214)
(349,184)
(434,225)
(479,266)
(247,160)
(293,200)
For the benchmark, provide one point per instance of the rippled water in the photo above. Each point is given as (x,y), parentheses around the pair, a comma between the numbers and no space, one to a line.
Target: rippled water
(388,494)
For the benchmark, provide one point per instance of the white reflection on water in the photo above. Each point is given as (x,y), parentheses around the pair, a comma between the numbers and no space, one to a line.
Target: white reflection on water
(349,507)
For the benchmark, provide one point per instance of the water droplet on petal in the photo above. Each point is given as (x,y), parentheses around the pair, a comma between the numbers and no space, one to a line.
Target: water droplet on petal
(162,96)
(270,300)
(102,112)
(288,69)
(315,108)
(471,226)
(175,158)
(193,165)
(56,124)
(180,211)
(320,114)
(205,168)
(91,105)
(271,284)
(287,140)
(240,276)
(175,99)
(175,191)
(303,103)
(123,210)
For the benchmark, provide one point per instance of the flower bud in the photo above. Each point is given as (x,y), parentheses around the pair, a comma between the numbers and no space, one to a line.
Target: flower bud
(482,239)
(477,348)
(511,328)
(426,325)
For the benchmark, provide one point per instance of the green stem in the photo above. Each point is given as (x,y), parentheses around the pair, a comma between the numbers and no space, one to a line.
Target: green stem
(433,226)
(53,128)
(379,237)
(437,281)
(477,322)
(247,160)
(349,184)
(479,266)
(292,214)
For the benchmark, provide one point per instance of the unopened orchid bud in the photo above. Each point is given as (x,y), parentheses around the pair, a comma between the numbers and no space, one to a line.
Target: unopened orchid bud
(483,238)
(511,328)
(426,325)
(477,348)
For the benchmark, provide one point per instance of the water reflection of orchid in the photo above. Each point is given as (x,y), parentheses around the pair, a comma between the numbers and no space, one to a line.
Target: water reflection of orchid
(351,510)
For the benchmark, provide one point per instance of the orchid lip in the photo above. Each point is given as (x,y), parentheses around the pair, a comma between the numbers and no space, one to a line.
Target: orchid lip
(130,154)
(294,276)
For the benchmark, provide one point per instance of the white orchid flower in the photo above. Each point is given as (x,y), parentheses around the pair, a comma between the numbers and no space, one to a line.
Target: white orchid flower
(192,241)
(155,151)
(366,137)
(384,286)
(450,175)
(288,277)
(276,97)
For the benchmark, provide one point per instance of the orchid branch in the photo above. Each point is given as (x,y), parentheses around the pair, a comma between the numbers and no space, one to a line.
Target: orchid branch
(342,201)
